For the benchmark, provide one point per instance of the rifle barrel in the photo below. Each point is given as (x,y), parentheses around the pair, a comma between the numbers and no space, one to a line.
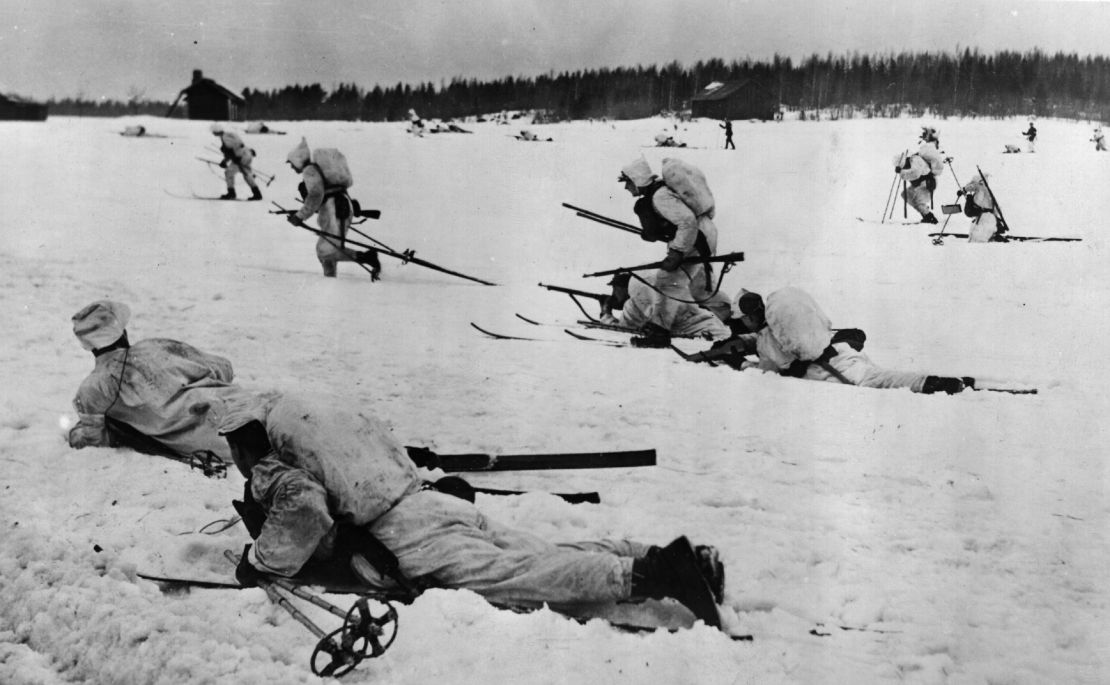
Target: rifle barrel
(572,291)
(725,258)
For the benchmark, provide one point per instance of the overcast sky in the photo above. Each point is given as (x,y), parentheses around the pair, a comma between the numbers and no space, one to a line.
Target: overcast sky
(113,48)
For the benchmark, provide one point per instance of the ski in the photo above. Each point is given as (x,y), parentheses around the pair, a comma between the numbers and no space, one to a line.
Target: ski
(892,222)
(632,616)
(579,336)
(499,336)
(455,463)
(1015,238)
(195,196)
(982,385)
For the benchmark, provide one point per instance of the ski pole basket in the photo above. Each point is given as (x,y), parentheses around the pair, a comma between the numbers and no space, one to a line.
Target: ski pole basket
(363,635)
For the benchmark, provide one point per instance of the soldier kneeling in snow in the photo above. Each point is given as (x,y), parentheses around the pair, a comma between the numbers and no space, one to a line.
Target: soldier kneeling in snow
(327,483)
(793,337)
(634,300)
(138,395)
(677,209)
(917,170)
(986,226)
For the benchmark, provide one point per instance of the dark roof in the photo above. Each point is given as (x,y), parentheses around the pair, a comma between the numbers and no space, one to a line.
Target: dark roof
(209,84)
(724,91)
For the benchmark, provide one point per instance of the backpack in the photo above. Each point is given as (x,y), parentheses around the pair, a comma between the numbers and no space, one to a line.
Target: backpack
(688,182)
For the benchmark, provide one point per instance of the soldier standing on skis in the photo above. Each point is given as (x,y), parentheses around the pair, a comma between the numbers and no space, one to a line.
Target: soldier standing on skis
(237,158)
(139,395)
(793,337)
(1099,140)
(980,206)
(918,173)
(325,180)
(331,483)
(678,210)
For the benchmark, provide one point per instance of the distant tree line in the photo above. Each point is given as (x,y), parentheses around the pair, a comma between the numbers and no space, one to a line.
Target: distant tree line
(946,84)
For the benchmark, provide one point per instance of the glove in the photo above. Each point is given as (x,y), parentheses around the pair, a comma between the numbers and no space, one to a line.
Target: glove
(293,219)
(245,573)
(960,192)
(250,511)
(223,164)
(672,260)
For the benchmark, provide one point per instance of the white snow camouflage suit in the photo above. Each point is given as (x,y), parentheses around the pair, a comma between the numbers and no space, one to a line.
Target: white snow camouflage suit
(331,465)
(150,387)
(686,201)
(798,329)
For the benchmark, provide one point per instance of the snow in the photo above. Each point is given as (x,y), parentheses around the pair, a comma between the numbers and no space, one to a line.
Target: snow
(966,535)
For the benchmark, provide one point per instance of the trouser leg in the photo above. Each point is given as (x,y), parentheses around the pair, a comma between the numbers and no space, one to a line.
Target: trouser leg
(447,541)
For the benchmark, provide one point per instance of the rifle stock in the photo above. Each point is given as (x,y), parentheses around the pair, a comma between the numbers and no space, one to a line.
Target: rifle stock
(729,258)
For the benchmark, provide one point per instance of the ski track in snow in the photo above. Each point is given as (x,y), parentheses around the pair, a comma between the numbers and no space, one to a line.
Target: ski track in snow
(966,534)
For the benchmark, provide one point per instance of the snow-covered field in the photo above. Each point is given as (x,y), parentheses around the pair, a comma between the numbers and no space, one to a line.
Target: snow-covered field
(966,535)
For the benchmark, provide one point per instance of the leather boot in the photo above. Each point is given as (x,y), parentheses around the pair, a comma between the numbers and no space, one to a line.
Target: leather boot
(672,571)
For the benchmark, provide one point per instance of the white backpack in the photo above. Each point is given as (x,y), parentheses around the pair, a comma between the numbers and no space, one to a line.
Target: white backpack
(688,182)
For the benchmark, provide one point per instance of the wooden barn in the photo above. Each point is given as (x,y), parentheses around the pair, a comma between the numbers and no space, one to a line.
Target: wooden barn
(745,99)
(15,108)
(206,99)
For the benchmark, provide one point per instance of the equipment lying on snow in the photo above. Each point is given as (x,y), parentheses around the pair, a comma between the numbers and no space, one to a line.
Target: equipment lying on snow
(454,463)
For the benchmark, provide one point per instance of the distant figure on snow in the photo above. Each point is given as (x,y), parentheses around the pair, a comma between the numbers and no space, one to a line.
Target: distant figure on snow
(667,140)
(237,158)
(986,225)
(1011,149)
(530,136)
(330,484)
(260,127)
(635,299)
(1031,136)
(138,395)
(136,131)
(793,337)
(677,209)
(325,180)
(1098,139)
(416,124)
(929,135)
(727,126)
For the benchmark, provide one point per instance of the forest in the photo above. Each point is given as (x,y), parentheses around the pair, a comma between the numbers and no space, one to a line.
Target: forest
(967,83)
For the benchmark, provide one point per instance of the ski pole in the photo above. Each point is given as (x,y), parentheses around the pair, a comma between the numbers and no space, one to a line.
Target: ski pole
(889,197)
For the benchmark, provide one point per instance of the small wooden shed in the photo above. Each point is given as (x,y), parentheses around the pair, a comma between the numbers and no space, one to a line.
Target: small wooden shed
(206,99)
(744,99)
(16,108)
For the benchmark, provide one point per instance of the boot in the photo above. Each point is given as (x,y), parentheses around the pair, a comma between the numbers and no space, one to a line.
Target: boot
(942,384)
(256,194)
(653,336)
(929,219)
(329,269)
(370,258)
(672,571)
(229,195)
(709,563)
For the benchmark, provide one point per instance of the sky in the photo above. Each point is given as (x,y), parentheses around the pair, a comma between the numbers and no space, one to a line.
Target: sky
(117,49)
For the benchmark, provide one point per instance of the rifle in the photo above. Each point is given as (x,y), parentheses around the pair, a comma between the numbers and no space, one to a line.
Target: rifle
(207,462)
(575,293)
(602,219)
(406,256)
(1005,224)
(454,463)
(730,258)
